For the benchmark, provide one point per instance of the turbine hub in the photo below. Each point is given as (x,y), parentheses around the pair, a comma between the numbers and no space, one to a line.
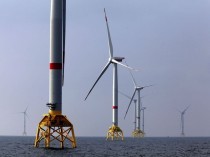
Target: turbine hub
(140,88)
(119,59)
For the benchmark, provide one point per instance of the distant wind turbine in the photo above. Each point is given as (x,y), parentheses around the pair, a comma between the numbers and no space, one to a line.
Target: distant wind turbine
(182,120)
(138,108)
(114,130)
(24,121)
(142,109)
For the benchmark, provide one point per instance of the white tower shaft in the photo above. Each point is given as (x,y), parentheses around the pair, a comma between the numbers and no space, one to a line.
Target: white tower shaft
(143,121)
(135,116)
(115,96)
(138,110)
(182,122)
(55,78)
(24,131)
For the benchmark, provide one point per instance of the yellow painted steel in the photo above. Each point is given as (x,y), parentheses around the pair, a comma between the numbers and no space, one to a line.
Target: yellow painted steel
(138,133)
(114,133)
(53,112)
(55,127)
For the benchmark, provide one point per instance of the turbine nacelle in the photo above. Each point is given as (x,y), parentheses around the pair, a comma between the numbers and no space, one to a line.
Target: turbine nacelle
(119,59)
(143,108)
(139,88)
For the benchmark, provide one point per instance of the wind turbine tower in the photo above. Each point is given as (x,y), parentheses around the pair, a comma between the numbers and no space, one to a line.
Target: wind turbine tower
(135,101)
(54,125)
(182,120)
(114,131)
(24,121)
(138,132)
(142,109)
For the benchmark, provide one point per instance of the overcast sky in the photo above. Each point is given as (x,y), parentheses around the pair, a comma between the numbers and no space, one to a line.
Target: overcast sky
(168,40)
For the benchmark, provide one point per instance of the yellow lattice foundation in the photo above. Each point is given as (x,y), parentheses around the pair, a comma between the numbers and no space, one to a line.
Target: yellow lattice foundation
(138,133)
(55,127)
(114,132)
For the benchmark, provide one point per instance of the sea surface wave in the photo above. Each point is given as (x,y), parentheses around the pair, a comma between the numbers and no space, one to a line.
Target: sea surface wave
(11,146)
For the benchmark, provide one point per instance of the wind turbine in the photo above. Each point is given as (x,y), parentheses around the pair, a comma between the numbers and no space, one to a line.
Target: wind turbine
(54,125)
(182,120)
(24,121)
(138,132)
(134,100)
(114,131)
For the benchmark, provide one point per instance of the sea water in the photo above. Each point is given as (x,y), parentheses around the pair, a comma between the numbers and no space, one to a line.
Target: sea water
(11,146)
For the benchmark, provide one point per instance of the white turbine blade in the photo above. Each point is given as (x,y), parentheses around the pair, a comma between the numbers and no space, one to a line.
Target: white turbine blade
(26,109)
(64,39)
(140,103)
(26,115)
(181,122)
(186,109)
(114,61)
(134,82)
(179,111)
(147,86)
(109,37)
(124,94)
(130,103)
(103,71)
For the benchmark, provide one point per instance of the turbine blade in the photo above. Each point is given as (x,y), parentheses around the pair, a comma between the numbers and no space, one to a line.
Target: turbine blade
(26,115)
(140,104)
(179,111)
(186,109)
(114,61)
(109,37)
(64,37)
(134,81)
(103,71)
(25,109)
(130,103)
(181,122)
(124,94)
(148,86)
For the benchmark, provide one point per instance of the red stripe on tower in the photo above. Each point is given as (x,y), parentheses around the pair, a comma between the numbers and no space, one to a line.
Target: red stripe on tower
(55,65)
(114,107)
